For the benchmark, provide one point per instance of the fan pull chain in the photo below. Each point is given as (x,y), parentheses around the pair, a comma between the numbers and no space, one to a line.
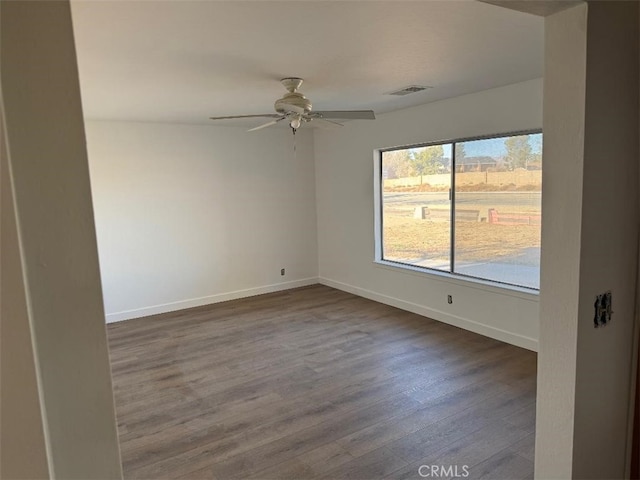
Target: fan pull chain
(294,143)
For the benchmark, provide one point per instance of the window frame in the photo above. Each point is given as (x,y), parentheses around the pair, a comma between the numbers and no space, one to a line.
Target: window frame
(429,271)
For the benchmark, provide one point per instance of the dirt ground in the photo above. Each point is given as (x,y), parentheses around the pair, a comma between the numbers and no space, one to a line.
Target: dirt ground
(411,239)
(476,187)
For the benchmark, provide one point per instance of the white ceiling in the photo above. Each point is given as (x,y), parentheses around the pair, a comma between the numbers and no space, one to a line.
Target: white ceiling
(183,61)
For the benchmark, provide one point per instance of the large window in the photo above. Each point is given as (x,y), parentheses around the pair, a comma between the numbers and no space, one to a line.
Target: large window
(469,207)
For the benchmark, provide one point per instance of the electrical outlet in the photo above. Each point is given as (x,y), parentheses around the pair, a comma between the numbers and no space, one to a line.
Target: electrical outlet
(282,272)
(449,299)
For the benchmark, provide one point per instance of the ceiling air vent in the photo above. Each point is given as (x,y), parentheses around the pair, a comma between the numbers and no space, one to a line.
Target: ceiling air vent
(408,90)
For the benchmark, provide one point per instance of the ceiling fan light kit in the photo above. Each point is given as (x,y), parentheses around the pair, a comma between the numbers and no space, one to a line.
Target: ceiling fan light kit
(297,110)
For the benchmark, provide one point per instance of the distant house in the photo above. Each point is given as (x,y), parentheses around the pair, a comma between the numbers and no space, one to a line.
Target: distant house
(475,164)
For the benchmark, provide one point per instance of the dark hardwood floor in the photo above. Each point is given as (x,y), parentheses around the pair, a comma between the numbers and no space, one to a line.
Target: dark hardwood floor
(318,383)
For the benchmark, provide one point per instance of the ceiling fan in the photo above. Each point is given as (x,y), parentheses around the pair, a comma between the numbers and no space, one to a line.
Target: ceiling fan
(296,109)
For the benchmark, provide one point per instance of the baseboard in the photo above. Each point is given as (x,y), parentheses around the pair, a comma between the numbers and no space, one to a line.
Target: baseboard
(198,302)
(465,323)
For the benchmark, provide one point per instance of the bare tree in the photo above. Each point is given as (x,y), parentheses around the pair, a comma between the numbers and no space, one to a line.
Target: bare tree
(396,164)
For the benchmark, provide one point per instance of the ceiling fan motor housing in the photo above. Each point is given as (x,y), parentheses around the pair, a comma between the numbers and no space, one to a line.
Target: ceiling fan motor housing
(294,98)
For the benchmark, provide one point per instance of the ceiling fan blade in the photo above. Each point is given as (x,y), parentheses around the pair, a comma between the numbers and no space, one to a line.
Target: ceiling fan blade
(265,125)
(264,115)
(346,114)
(324,123)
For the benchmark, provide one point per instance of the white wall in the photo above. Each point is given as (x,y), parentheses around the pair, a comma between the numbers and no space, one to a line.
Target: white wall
(563,150)
(345,203)
(57,265)
(190,215)
(23,448)
(589,240)
(609,240)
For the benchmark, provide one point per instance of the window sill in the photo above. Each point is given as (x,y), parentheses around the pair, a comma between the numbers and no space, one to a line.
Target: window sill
(459,280)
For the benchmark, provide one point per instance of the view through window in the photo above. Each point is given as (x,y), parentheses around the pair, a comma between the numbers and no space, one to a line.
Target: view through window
(469,207)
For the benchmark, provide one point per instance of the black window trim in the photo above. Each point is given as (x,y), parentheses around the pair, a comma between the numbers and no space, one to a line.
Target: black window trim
(419,268)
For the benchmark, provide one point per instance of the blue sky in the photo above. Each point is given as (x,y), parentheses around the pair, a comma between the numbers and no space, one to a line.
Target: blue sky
(493,147)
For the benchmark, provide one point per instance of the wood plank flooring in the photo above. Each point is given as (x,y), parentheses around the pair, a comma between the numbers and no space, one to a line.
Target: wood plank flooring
(316,383)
